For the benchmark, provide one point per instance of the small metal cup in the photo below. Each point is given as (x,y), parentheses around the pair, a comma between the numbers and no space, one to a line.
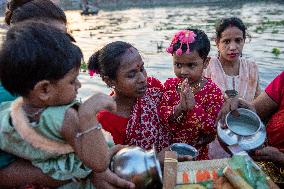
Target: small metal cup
(184,149)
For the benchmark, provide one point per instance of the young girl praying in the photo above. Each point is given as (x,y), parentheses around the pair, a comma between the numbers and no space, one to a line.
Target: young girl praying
(45,124)
(190,102)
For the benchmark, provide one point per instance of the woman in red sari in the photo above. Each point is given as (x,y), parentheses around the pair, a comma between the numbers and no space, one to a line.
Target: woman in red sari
(136,121)
(137,96)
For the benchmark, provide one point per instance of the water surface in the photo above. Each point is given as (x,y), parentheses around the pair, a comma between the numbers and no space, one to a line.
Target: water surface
(150,30)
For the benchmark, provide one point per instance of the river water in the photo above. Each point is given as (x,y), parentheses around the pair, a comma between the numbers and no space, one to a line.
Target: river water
(150,30)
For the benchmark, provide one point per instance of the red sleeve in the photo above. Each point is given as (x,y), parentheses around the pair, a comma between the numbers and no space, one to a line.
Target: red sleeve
(276,88)
(168,101)
(114,124)
(153,82)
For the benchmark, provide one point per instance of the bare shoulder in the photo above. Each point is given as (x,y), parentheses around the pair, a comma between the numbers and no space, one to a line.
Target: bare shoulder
(70,123)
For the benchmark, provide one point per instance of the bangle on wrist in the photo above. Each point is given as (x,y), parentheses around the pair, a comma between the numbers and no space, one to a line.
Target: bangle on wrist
(179,118)
(96,127)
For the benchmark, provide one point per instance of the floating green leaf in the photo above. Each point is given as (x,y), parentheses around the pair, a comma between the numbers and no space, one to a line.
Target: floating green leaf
(276,51)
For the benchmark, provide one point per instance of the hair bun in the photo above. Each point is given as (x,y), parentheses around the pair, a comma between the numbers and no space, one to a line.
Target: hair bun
(93,63)
(11,6)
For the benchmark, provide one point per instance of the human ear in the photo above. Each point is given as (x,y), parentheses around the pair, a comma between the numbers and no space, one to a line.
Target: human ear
(43,90)
(206,62)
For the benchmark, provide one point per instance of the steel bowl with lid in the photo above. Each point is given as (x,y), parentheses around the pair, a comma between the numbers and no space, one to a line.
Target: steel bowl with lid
(246,130)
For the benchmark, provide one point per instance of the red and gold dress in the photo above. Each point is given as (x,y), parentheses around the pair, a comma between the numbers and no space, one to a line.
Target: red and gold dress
(197,123)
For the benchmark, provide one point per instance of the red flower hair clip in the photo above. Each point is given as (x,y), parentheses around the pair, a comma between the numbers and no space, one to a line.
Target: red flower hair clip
(184,37)
(92,72)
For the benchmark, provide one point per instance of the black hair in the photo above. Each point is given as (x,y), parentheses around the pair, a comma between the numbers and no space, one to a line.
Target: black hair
(224,23)
(20,10)
(107,60)
(34,51)
(201,44)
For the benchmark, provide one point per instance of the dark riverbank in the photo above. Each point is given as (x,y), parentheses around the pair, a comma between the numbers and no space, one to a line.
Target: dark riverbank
(124,4)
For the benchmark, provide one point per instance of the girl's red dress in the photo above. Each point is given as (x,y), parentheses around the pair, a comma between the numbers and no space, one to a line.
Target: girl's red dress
(196,123)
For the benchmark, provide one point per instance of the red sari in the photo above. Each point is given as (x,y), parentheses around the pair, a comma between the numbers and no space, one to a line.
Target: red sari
(198,122)
(275,126)
(143,128)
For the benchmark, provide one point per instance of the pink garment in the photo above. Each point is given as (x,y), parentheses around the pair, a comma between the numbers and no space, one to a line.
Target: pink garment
(198,122)
(246,83)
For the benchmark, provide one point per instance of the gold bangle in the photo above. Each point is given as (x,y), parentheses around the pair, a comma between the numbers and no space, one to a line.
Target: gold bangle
(179,118)
(96,127)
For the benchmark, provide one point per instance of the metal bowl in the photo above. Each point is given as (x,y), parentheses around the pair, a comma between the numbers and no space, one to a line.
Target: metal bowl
(246,124)
(138,166)
(248,140)
(184,149)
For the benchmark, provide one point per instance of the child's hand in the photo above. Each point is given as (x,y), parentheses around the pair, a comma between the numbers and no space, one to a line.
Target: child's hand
(94,104)
(183,104)
(187,96)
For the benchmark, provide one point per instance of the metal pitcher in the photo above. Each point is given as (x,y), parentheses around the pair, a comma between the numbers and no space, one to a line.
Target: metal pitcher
(138,166)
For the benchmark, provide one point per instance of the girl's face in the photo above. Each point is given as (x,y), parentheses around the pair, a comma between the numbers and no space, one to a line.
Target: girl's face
(131,78)
(189,66)
(231,44)
(65,90)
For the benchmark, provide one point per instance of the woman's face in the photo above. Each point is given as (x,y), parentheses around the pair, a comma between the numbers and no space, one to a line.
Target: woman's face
(131,78)
(230,44)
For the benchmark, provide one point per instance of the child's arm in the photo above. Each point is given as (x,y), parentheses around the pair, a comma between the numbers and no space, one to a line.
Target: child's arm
(22,172)
(90,147)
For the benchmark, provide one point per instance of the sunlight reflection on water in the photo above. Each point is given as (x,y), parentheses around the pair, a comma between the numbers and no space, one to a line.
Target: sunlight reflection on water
(147,27)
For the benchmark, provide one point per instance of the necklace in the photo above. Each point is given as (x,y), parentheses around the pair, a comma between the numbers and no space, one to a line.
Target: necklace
(194,88)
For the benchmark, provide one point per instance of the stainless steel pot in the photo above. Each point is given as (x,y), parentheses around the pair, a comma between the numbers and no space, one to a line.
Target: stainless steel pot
(247,130)
(138,166)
